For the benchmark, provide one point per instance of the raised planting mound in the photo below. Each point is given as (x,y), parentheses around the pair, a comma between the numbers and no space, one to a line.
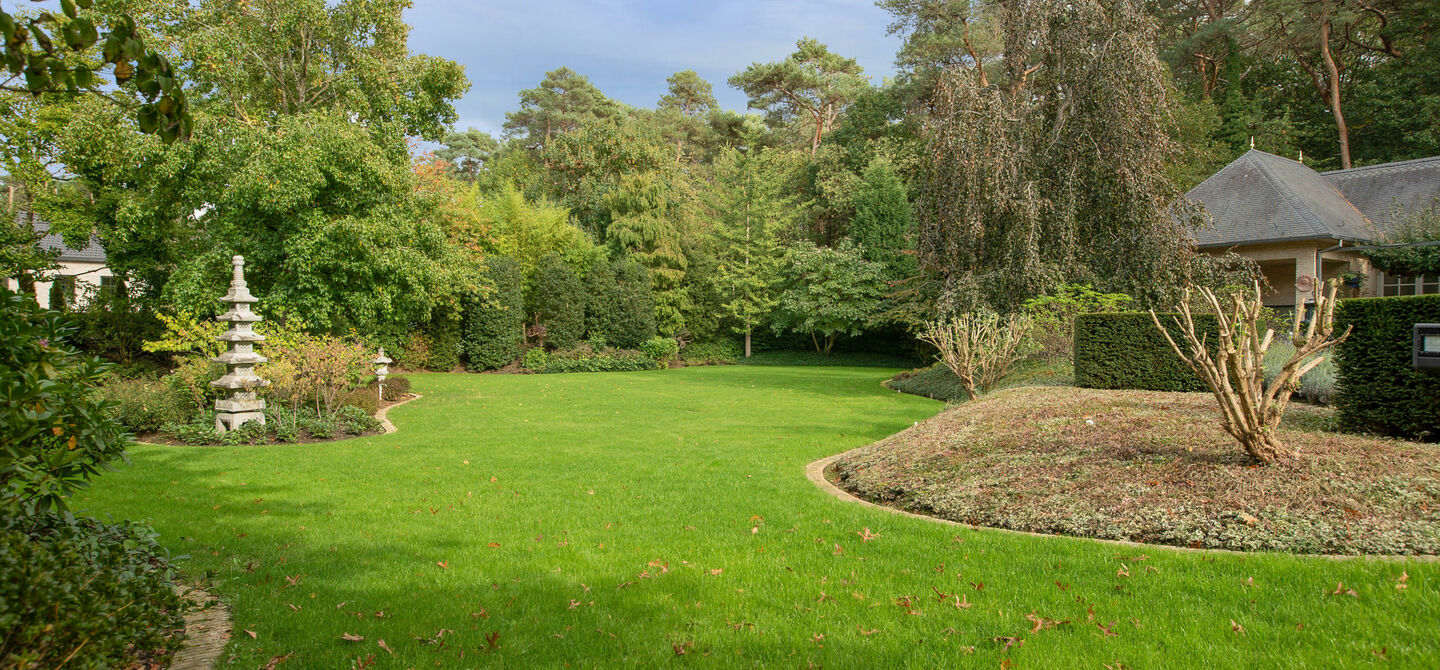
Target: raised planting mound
(1153,467)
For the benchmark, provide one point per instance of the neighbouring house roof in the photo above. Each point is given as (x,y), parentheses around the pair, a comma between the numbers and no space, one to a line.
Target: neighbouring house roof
(1376,190)
(1262,198)
(91,253)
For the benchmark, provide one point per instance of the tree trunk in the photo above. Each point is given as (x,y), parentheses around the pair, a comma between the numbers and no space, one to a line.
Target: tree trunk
(816,342)
(747,340)
(829,344)
(1262,446)
(1332,73)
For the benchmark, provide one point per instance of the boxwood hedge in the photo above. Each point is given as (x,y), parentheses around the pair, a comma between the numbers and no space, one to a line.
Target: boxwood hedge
(1378,390)
(1124,350)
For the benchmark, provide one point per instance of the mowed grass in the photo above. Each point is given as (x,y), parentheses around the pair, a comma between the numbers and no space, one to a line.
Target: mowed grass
(664,520)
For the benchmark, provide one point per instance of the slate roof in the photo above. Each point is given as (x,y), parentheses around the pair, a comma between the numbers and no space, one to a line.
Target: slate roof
(1262,197)
(1376,189)
(91,253)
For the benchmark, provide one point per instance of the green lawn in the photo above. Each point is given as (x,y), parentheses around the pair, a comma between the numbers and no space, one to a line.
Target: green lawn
(609,520)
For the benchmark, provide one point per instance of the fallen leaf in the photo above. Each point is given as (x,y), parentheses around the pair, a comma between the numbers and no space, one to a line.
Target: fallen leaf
(443,565)
(1237,627)
(1340,590)
(866,633)
(866,535)
(350,637)
(277,660)
(386,647)
(251,633)
(1404,577)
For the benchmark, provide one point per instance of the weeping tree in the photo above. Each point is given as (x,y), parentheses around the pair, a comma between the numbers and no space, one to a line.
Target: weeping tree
(1054,170)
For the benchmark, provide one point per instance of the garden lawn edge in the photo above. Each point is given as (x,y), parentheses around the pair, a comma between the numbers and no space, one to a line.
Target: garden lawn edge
(816,472)
(207,631)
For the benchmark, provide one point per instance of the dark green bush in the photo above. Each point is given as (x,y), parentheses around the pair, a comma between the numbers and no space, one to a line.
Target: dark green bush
(55,431)
(557,301)
(713,352)
(494,326)
(1124,350)
(1378,390)
(443,333)
(585,359)
(104,590)
(144,405)
(633,302)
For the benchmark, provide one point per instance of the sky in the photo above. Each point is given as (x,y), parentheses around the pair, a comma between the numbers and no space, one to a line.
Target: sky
(629,47)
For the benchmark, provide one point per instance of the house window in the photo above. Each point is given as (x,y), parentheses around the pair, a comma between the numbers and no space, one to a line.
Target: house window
(1425,284)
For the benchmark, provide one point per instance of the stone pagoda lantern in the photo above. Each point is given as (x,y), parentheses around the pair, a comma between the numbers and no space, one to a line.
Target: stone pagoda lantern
(240,404)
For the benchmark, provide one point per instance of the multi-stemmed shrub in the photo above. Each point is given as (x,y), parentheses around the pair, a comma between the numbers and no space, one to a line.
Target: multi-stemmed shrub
(978,347)
(1234,371)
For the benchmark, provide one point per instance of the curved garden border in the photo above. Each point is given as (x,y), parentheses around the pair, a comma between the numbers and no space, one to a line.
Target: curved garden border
(384,414)
(815,472)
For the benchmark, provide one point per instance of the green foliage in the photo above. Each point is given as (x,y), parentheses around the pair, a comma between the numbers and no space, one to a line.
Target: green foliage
(882,223)
(526,231)
(750,208)
(713,352)
(661,349)
(494,326)
(828,292)
(1379,391)
(811,87)
(586,359)
(1422,225)
(144,405)
(556,300)
(55,433)
(467,152)
(444,334)
(645,225)
(1023,189)
(79,593)
(356,420)
(564,101)
(1054,316)
(535,359)
(632,319)
(1123,350)
(49,67)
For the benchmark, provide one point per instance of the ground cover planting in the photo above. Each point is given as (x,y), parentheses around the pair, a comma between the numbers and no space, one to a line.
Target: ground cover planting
(664,518)
(1154,467)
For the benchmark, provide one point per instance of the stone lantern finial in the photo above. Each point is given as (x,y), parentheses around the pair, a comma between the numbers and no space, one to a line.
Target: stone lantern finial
(241,404)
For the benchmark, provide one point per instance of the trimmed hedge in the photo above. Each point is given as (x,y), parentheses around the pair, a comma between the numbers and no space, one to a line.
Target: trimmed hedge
(1123,350)
(1378,390)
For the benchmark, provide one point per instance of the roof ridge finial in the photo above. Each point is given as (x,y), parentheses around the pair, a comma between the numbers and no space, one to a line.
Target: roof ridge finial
(1302,155)
(1252,142)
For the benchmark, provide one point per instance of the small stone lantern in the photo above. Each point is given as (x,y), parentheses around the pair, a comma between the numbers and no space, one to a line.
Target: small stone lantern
(240,404)
(380,371)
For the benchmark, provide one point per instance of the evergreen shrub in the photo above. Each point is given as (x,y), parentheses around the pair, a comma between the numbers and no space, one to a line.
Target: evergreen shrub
(1123,350)
(1377,389)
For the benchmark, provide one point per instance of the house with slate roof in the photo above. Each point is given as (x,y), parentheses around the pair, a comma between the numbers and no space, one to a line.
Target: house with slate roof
(79,269)
(1296,222)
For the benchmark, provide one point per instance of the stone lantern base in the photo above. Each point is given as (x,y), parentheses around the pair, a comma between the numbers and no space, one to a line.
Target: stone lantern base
(233,420)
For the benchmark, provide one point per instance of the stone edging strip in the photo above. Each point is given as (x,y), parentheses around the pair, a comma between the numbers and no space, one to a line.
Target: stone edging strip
(383,414)
(815,472)
(207,631)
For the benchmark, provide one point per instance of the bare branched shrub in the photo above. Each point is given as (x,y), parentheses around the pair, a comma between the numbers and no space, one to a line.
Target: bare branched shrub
(1250,409)
(978,347)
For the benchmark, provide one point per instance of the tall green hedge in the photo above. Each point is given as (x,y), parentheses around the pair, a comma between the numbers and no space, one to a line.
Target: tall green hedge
(1124,350)
(494,327)
(1378,390)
